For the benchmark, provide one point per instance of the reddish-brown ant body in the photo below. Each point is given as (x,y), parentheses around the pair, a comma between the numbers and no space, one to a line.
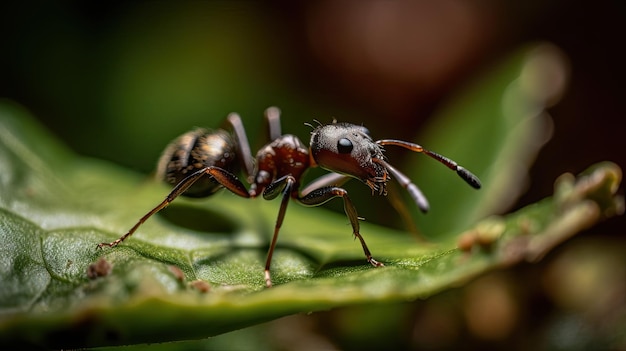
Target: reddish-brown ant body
(200,162)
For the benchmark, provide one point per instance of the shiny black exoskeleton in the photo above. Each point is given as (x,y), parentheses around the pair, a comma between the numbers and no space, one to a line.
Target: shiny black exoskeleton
(201,162)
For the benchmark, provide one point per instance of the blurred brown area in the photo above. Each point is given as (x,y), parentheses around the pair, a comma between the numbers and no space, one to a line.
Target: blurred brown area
(395,62)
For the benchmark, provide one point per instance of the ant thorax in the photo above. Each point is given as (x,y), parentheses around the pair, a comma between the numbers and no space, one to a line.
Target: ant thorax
(348,149)
(286,155)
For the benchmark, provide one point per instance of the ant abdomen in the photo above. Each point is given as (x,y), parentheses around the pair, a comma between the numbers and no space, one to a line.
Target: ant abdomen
(194,151)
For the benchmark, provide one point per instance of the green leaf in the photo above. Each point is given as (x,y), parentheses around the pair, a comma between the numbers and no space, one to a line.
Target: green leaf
(195,270)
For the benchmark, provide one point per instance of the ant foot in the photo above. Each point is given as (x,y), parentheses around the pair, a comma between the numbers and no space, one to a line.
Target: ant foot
(101,245)
(268,279)
(374,262)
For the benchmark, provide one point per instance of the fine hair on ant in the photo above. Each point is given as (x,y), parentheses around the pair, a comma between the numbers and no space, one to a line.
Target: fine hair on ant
(201,162)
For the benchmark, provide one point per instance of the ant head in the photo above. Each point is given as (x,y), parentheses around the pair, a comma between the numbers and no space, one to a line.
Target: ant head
(348,149)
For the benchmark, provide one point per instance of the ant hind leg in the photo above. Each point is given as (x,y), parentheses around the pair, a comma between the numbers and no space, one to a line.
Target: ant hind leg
(225,178)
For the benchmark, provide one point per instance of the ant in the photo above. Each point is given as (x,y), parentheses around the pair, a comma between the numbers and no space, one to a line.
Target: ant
(201,162)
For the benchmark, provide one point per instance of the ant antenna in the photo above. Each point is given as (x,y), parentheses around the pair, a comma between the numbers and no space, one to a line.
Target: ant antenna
(319,124)
(466,175)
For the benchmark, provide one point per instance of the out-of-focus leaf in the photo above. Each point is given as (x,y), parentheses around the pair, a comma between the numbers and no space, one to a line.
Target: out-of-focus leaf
(494,127)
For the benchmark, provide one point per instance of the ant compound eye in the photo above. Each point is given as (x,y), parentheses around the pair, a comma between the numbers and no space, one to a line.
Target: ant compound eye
(344,146)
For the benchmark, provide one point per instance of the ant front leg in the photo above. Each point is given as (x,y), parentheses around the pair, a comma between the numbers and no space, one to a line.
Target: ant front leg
(322,195)
(225,178)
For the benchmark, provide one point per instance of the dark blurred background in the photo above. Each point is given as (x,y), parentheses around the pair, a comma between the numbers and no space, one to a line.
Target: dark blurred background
(117,80)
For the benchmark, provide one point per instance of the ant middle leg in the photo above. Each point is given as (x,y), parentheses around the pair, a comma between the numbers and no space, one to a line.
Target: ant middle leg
(328,179)
(322,195)
(284,185)
(225,178)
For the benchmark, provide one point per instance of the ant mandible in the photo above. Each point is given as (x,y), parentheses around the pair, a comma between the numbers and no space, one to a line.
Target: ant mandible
(201,162)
